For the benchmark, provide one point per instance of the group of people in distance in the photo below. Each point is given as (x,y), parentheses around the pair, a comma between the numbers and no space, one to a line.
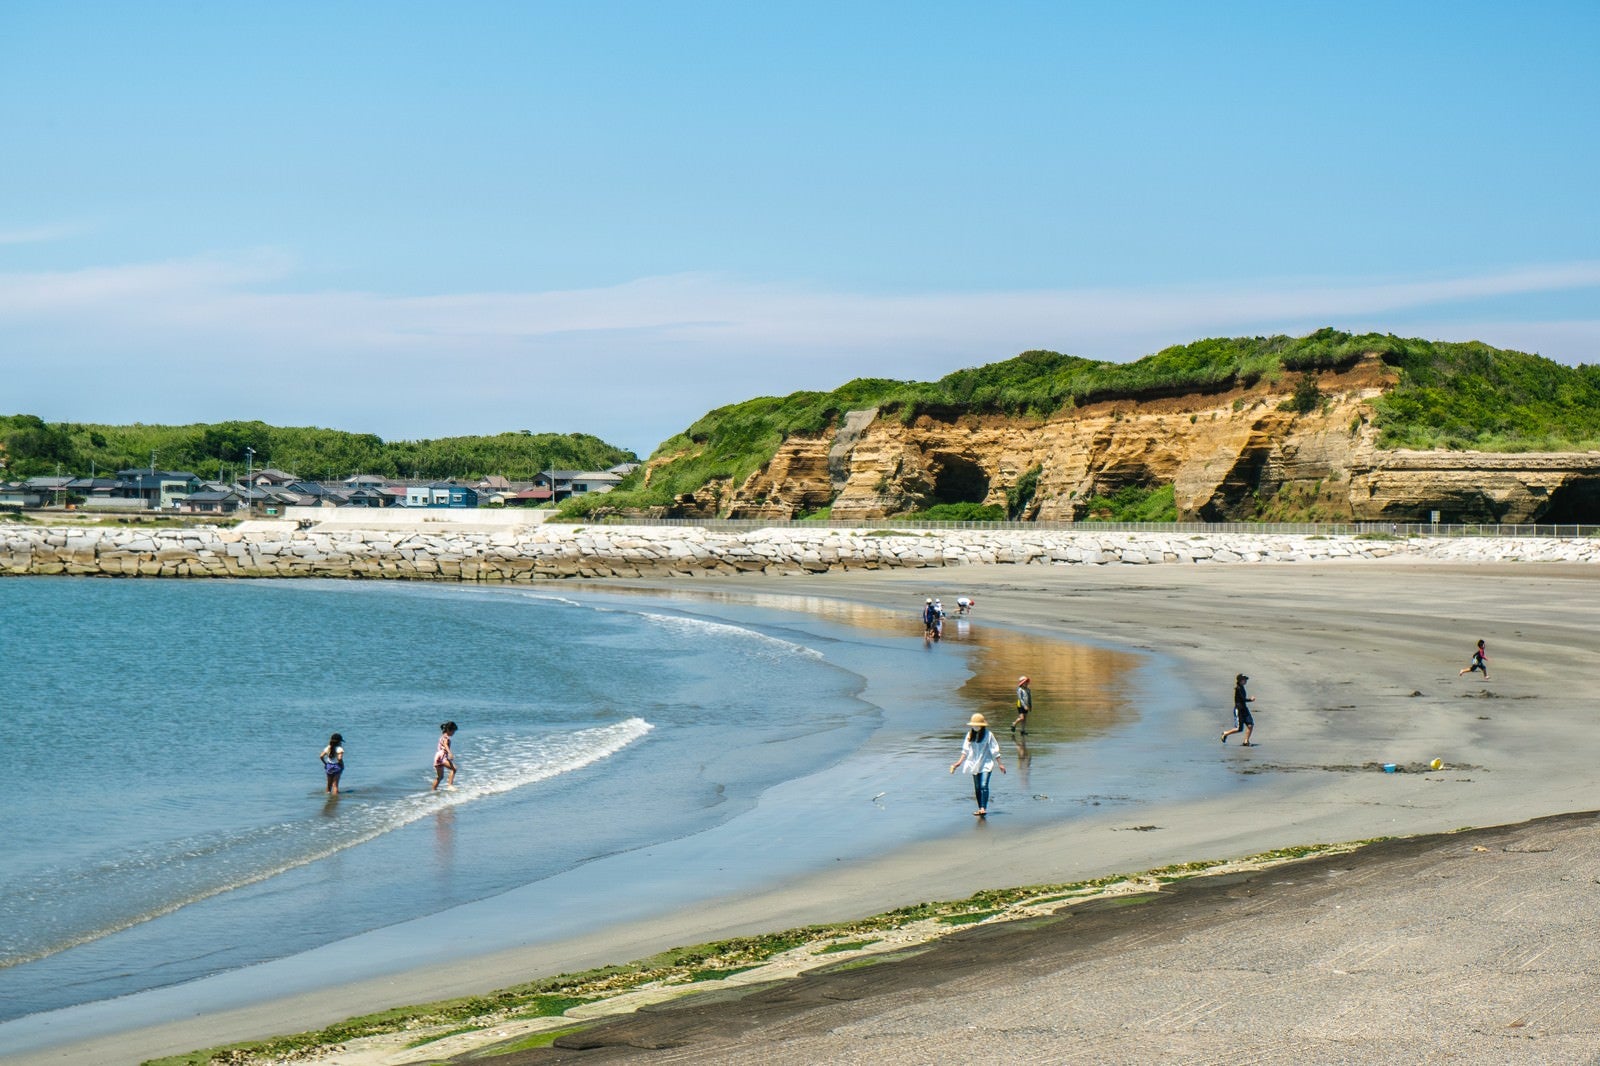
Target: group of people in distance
(933,616)
(444,760)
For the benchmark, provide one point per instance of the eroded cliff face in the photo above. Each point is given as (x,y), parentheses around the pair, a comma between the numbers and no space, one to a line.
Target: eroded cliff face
(1237,454)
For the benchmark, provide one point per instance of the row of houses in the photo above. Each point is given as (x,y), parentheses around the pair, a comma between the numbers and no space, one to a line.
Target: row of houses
(268,491)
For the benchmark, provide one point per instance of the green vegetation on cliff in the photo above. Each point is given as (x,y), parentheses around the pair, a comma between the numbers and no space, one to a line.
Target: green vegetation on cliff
(32,446)
(1459,396)
(1131,503)
(1474,397)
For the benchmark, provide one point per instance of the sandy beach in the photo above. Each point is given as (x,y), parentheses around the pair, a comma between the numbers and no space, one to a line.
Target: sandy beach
(1353,666)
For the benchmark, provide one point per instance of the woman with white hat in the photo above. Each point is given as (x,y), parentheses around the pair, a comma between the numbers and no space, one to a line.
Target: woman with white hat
(980,754)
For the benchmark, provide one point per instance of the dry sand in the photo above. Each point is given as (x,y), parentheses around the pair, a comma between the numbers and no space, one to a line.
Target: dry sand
(1353,665)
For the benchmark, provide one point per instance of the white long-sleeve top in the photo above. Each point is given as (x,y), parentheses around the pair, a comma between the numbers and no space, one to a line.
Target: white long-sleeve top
(978,756)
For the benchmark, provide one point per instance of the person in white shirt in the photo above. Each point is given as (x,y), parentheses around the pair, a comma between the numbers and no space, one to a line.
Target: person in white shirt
(980,754)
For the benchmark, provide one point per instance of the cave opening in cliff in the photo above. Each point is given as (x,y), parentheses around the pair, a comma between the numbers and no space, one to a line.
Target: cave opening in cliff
(1575,503)
(960,480)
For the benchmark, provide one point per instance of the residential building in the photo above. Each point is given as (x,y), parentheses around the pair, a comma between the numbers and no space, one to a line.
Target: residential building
(213,501)
(270,478)
(530,497)
(369,496)
(441,494)
(564,483)
(157,489)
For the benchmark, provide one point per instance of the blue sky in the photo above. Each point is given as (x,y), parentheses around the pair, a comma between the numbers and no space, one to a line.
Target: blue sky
(420,220)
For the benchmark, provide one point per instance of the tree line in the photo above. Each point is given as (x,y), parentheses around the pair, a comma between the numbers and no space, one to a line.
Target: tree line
(30,446)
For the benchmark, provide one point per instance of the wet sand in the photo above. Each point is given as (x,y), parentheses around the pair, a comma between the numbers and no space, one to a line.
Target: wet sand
(1353,666)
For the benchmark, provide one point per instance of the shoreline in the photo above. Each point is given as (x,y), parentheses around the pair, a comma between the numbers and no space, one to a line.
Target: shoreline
(478,1026)
(1336,653)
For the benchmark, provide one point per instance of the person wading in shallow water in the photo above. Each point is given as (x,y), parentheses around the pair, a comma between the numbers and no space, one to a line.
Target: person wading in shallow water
(1242,722)
(980,754)
(444,759)
(332,758)
(1024,704)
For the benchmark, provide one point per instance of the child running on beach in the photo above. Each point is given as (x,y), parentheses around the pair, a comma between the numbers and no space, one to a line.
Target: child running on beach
(1480,661)
(444,758)
(980,754)
(332,758)
(1242,722)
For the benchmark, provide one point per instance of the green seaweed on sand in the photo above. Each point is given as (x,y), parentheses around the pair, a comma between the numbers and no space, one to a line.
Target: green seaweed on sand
(464,1015)
(867,961)
(1115,902)
(551,996)
(434,1038)
(538,1040)
(848,945)
(717,973)
(970,917)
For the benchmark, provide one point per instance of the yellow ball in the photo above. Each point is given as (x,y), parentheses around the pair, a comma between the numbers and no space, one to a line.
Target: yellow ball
(1436,764)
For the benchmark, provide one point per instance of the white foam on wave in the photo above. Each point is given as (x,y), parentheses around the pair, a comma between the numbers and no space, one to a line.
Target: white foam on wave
(499,764)
(502,763)
(550,597)
(690,626)
(687,625)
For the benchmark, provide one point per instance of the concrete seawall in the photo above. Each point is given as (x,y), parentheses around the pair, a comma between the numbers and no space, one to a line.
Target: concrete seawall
(562,551)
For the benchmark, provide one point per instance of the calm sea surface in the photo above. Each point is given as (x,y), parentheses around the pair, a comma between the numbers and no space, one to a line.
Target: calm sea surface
(167,821)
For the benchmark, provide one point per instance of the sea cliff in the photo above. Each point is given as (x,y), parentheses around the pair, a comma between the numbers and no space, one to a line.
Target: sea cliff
(1243,451)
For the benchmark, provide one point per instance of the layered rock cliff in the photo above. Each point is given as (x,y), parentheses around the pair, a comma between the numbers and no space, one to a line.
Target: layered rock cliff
(1241,453)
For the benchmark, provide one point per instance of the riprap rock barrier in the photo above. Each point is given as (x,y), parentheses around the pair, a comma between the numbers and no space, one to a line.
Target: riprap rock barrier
(563,551)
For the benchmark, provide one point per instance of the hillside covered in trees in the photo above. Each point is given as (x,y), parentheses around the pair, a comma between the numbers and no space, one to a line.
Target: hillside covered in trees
(32,446)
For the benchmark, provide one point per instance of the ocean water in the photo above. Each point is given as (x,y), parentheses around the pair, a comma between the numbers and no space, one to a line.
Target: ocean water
(167,820)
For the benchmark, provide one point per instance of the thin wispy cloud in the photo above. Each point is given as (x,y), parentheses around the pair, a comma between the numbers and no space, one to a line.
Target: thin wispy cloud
(659,350)
(41,234)
(216,294)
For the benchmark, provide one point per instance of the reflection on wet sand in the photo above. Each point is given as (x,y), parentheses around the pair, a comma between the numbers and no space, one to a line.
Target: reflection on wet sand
(1079,690)
(444,837)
